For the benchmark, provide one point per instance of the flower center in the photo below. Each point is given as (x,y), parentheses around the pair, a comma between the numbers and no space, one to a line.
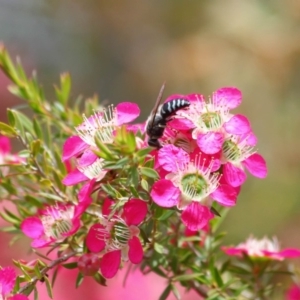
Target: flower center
(211,120)
(194,185)
(57,223)
(231,150)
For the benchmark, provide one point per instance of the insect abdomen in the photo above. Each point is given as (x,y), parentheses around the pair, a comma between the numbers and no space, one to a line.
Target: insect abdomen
(170,108)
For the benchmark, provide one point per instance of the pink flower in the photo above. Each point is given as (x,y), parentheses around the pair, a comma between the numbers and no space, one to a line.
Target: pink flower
(103,124)
(117,237)
(238,154)
(6,157)
(264,248)
(293,293)
(191,186)
(52,224)
(211,120)
(7,281)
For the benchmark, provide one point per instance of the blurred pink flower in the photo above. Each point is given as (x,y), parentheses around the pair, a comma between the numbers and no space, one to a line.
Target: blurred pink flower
(293,293)
(264,248)
(7,281)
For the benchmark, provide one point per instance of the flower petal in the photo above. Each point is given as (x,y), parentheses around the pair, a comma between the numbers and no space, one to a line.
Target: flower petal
(234,176)
(211,142)
(225,194)
(196,216)
(238,124)
(127,112)
(135,211)
(110,263)
(74,177)
(229,97)
(7,280)
(87,158)
(73,146)
(95,238)
(5,147)
(256,165)
(19,297)
(164,193)
(32,227)
(171,158)
(135,252)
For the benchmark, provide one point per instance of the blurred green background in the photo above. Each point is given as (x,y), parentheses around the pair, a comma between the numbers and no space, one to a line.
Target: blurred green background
(124,50)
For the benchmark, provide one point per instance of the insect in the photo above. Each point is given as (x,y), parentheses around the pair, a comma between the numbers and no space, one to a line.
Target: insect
(160,116)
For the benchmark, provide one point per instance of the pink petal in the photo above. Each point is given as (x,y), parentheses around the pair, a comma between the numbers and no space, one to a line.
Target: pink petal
(135,252)
(181,124)
(134,211)
(7,280)
(171,158)
(232,251)
(196,216)
(256,165)
(110,263)
(127,112)
(290,253)
(86,190)
(19,297)
(164,193)
(41,242)
(234,176)
(95,238)
(87,158)
(197,98)
(136,127)
(211,142)
(229,97)
(225,195)
(106,207)
(32,227)
(5,147)
(74,177)
(73,146)
(238,124)
(293,293)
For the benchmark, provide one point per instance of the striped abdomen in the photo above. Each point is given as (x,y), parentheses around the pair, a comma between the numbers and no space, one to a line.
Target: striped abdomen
(169,108)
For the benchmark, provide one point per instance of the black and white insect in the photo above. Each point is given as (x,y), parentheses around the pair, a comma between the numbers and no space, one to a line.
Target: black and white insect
(161,115)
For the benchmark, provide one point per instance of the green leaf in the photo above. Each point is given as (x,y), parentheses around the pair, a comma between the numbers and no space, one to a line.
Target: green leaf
(100,279)
(36,294)
(159,248)
(186,277)
(148,172)
(166,292)
(175,292)
(145,185)
(79,280)
(49,287)
(37,128)
(7,130)
(72,265)
(63,93)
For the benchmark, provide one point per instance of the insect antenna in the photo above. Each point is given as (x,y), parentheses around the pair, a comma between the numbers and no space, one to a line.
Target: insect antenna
(157,103)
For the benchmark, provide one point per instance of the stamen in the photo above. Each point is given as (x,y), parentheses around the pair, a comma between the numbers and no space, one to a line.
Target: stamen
(95,170)
(101,125)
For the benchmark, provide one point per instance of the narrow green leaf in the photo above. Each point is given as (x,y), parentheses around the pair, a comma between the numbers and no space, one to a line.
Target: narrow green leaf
(48,286)
(7,130)
(79,280)
(37,128)
(148,172)
(72,265)
(166,293)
